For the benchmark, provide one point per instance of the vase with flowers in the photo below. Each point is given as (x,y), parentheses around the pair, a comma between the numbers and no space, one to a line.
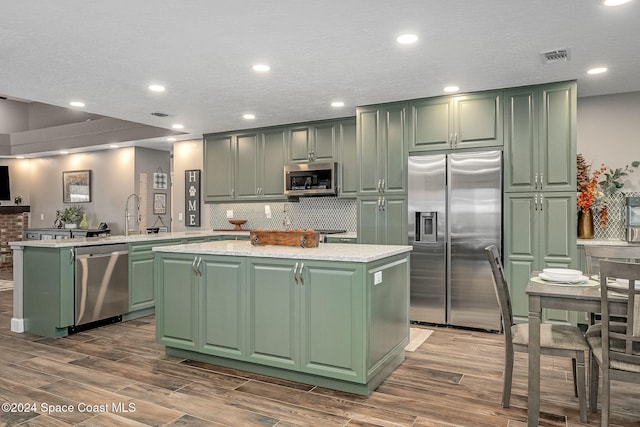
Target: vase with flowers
(595,190)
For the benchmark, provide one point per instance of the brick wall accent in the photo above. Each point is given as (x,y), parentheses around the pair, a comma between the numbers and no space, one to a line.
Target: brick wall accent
(12,225)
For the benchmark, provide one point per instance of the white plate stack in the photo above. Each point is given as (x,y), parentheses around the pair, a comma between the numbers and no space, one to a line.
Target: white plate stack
(562,275)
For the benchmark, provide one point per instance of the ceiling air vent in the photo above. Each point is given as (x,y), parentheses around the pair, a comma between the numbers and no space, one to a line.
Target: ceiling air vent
(159,114)
(558,55)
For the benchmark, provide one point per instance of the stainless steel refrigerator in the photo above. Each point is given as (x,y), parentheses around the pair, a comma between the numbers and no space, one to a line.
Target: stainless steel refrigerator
(455,211)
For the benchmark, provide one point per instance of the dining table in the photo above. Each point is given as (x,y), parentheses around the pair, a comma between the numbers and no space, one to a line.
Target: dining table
(583,296)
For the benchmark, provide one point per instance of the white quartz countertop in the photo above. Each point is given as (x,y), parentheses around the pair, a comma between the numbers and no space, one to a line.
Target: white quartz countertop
(605,242)
(108,240)
(346,252)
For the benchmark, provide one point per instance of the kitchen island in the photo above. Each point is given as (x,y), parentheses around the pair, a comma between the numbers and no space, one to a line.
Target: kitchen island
(43,276)
(335,316)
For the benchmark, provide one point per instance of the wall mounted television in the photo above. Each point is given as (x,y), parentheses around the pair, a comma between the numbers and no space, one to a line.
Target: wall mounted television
(5,193)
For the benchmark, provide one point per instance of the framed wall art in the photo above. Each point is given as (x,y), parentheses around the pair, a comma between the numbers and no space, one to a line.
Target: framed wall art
(76,186)
(159,203)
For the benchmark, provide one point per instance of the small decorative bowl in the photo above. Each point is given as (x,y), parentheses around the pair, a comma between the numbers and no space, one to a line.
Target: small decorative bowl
(238,223)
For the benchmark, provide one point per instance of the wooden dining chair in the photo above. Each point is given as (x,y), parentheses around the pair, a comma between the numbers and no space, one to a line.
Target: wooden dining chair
(555,340)
(615,351)
(596,253)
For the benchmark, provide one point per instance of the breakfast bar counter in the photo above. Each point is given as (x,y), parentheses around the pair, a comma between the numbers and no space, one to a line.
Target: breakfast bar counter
(336,315)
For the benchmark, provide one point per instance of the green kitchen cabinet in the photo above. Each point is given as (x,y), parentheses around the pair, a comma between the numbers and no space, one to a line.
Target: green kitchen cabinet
(455,122)
(202,301)
(382,149)
(382,220)
(312,142)
(177,298)
(540,138)
(307,316)
(219,165)
(539,232)
(48,290)
(259,157)
(347,158)
(222,306)
(141,274)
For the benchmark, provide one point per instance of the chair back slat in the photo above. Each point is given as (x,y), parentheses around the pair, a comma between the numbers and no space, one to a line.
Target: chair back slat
(501,289)
(595,253)
(620,339)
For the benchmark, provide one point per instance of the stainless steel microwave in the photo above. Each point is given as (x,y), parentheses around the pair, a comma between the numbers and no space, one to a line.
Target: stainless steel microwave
(310,179)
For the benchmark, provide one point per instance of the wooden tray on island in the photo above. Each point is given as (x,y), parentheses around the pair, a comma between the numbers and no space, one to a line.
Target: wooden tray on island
(305,239)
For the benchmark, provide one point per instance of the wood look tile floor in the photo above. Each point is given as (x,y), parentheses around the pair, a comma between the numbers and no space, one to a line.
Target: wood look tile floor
(124,377)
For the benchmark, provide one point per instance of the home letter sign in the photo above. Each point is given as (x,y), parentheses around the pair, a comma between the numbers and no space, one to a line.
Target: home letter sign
(192,197)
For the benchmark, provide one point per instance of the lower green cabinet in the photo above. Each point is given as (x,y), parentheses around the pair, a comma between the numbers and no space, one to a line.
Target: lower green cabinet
(141,294)
(307,315)
(382,220)
(539,233)
(48,290)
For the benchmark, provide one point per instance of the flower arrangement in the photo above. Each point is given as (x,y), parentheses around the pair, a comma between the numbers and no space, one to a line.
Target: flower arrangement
(595,192)
(72,214)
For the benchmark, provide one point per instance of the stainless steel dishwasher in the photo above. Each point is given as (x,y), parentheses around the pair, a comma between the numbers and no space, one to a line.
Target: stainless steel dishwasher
(101,283)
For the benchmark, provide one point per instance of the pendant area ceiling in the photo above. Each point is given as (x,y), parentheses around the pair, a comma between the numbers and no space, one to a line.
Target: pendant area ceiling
(106,54)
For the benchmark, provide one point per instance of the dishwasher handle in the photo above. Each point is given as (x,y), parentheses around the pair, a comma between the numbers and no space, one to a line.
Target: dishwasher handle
(105,255)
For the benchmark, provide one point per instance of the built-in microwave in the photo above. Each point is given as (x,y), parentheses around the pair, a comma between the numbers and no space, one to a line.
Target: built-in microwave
(310,179)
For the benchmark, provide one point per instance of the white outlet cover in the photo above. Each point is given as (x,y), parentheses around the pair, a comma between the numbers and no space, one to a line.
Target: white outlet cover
(229,213)
(377,277)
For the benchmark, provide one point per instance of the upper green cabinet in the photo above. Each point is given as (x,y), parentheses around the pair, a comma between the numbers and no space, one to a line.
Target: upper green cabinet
(248,165)
(382,220)
(240,166)
(382,149)
(258,155)
(219,155)
(312,143)
(540,135)
(461,121)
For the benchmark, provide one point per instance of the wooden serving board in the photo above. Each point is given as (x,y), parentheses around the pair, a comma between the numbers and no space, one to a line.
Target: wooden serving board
(305,239)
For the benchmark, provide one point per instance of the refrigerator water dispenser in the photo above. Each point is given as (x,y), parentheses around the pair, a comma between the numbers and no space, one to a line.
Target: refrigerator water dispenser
(426,227)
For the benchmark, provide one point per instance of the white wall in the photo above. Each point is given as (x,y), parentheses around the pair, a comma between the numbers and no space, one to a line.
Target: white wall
(187,155)
(19,179)
(608,131)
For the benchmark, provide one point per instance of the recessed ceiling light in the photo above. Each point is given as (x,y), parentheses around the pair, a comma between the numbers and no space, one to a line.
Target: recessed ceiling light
(451,89)
(171,139)
(76,104)
(19,157)
(178,126)
(598,70)
(614,2)
(407,38)
(262,68)
(64,152)
(248,116)
(337,104)
(156,88)
(113,146)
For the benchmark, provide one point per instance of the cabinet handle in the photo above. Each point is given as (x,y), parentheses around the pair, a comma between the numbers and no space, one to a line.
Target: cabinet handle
(382,204)
(295,273)
(198,271)
(541,180)
(384,184)
(233,193)
(193,265)
(72,255)
(300,274)
(541,203)
(451,139)
(455,140)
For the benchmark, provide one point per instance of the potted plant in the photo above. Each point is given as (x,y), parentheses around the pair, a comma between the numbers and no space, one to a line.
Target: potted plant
(17,199)
(71,216)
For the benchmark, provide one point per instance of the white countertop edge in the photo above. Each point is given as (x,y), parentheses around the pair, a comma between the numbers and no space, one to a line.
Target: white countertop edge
(107,240)
(605,242)
(344,252)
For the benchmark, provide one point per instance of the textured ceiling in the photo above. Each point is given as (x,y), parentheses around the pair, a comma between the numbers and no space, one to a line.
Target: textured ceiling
(107,53)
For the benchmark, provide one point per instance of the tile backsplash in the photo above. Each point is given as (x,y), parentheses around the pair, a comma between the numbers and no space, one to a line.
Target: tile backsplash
(308,212)
(616,218)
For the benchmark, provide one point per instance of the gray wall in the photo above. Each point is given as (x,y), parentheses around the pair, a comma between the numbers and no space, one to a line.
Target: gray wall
(187,155)
(608,132)
(147,162)
(114,175)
